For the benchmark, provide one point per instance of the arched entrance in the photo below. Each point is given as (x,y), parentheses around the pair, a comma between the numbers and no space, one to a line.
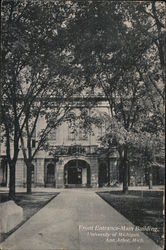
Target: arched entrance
(103,175)
(50,175)
(3,172)
(77,174)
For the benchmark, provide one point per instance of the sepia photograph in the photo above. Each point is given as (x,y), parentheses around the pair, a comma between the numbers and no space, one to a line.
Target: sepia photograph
(82,125)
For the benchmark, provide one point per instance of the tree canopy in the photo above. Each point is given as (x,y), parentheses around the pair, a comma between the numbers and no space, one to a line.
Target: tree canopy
(54,49)
(35,69)
(120,48)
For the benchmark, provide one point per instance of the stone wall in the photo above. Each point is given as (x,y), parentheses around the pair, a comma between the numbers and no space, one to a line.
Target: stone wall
(94,171)
(20,173)
(40,172)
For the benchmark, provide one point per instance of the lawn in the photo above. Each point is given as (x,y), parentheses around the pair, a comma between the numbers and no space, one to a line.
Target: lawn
(142,208)
(31,204)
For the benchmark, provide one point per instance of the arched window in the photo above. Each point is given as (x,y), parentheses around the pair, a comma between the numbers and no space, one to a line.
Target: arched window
(103,174)
(83,135)
(50,173)
(52,134)
(71,121)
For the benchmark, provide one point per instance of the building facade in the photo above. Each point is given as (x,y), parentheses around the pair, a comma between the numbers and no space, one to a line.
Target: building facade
(78,160)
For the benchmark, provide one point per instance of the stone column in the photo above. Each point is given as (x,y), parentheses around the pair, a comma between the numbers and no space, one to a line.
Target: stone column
(60,174)
(20,173)
(84,176)
(40,172)
(94,172)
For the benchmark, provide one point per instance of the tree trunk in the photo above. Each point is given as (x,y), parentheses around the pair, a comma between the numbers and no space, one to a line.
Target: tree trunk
(125,171)
(12,167)
(128,174)
(120,167)
(108,172)
(29,178)
(150,177)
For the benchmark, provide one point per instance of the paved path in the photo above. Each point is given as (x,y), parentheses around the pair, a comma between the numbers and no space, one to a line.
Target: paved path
(49,189)
(78,220)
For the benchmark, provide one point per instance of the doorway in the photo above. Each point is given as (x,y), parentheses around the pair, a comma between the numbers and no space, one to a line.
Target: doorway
(104,175)
(50,175)
(77,174)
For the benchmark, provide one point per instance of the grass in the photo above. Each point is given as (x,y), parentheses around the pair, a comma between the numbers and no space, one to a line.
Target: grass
(31,204)
(142,208)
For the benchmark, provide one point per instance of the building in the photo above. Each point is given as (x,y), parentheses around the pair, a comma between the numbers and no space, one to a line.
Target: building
(78,159)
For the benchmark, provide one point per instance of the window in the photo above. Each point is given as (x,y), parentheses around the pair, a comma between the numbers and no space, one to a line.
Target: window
(50,173)
(101,130)
(71,133)
(33,143)
(52,134)
(83,135)
(34,139)
(34,134)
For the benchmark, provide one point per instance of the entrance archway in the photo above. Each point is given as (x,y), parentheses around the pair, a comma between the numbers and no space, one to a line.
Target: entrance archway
(50,177)
(77,174)
(3,172)
(103,175)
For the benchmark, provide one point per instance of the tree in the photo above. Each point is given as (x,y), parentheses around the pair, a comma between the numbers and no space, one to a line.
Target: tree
(33,57)
(120,47)
(11,109)
(53,107)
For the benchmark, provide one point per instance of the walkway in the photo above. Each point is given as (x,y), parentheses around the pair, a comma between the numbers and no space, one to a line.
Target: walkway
(78,219)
